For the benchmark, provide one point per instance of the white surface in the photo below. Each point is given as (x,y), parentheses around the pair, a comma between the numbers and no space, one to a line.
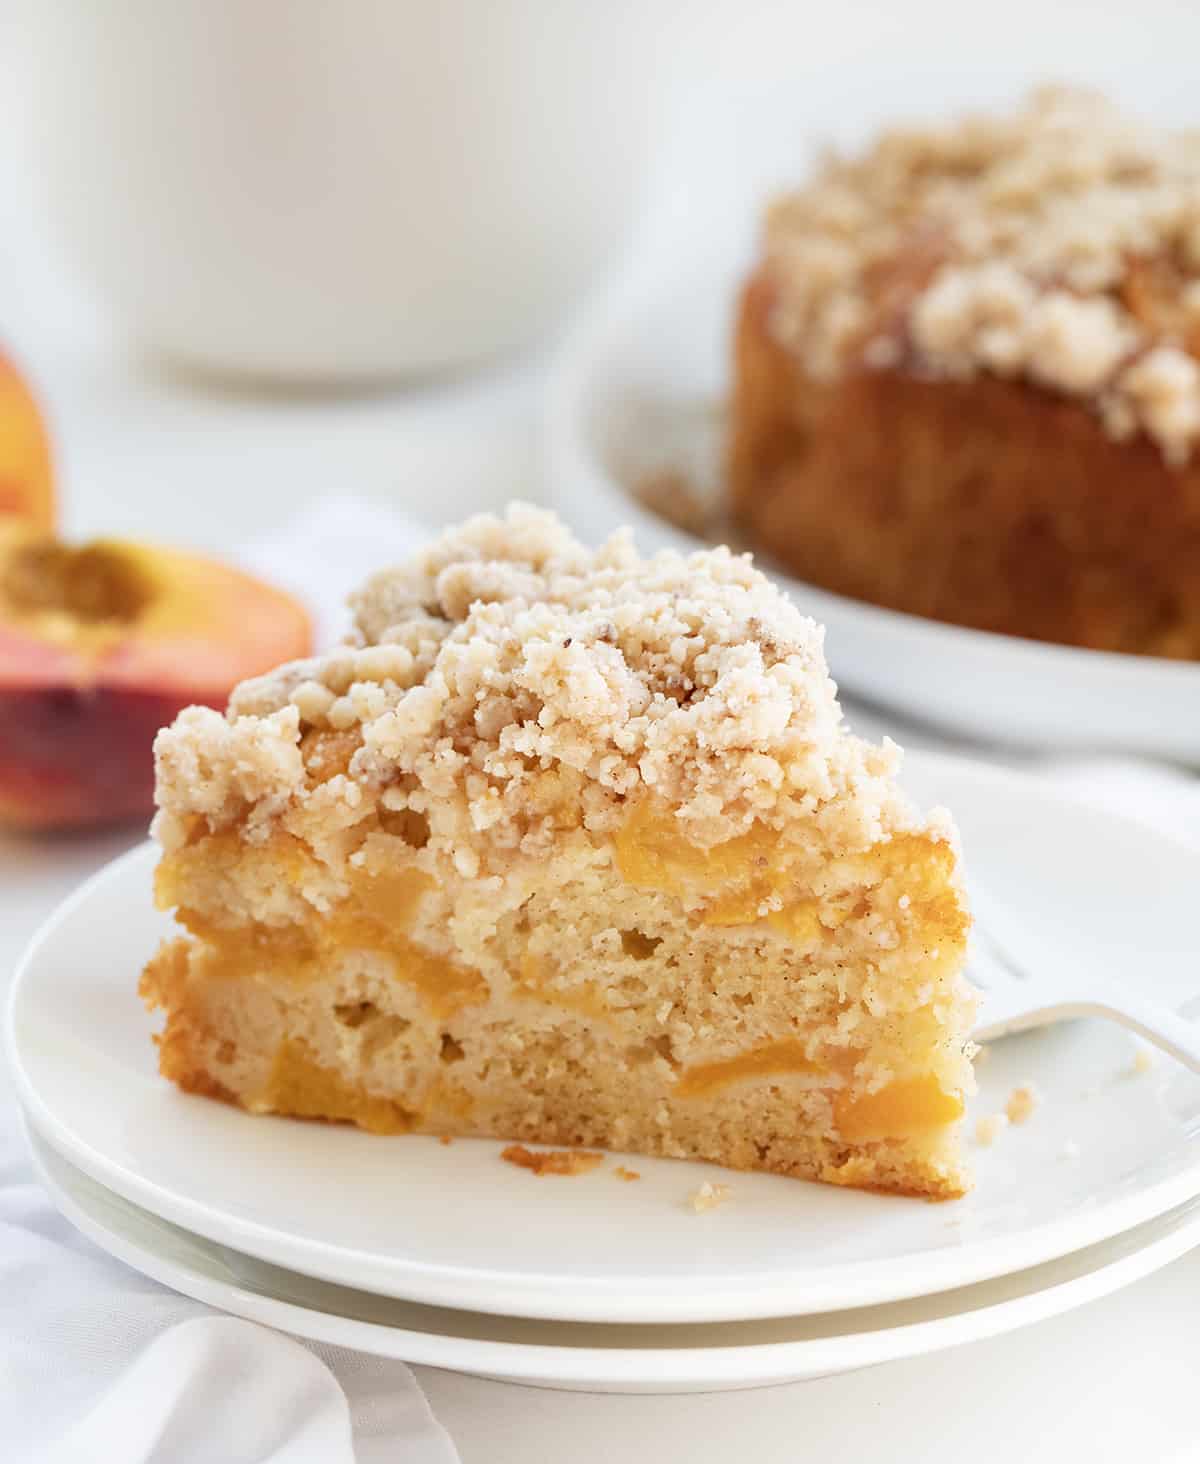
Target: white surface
(1111,1384)
(1090,889)
(624,1359)
(640,385)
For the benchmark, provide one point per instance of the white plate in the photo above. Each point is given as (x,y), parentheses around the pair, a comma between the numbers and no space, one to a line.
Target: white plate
(453,1226)
(629,1359)
(638,388)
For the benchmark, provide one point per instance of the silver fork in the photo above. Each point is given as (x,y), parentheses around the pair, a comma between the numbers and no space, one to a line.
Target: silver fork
(1016,998)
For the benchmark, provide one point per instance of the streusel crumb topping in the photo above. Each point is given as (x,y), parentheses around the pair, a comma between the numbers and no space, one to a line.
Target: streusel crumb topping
(508,679)
(1059,245)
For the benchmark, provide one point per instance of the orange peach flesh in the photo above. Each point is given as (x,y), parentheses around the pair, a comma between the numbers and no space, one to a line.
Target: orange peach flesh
(26,480)
(102,646)
(737,877)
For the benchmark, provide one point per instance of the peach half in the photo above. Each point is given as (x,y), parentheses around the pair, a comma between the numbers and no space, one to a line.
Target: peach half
(26,478)
(102,645)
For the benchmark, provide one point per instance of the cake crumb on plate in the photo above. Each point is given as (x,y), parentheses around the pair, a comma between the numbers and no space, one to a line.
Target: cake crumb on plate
(551,1161)
(1022,1102)
(1143,1061)
(709,1196)
(629,1175)
(989,1128)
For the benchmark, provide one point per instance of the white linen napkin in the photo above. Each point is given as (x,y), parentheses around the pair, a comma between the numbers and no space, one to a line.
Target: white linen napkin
(99,1363)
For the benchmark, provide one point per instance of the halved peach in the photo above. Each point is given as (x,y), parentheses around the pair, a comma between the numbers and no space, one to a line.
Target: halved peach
(26,478)
(101,646)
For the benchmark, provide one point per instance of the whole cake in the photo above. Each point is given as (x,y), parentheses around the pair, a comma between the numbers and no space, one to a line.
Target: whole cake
(568,847)
(966,378)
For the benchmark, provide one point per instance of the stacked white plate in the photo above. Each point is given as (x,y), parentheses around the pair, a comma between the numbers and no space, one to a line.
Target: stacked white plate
(441,1254)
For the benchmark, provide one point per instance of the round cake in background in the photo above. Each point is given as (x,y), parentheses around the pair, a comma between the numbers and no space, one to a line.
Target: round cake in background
(966,379)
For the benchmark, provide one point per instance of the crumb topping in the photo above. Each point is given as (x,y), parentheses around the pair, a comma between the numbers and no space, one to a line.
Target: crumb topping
(508,680)
(551,1161)
(1059,245)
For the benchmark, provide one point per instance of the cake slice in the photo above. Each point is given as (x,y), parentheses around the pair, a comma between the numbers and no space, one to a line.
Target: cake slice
(569,848)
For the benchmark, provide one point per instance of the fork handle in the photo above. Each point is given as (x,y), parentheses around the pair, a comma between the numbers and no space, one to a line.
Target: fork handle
(1157,1024)
(1162,1026)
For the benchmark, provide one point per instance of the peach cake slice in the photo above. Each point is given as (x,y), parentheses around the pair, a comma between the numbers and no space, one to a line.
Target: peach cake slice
(575,848)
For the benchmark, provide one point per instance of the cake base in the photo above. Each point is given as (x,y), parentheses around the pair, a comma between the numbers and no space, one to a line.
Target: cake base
(275,1050)
(985,502)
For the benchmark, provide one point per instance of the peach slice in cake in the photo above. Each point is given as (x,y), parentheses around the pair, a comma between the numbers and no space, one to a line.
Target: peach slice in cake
(573,848)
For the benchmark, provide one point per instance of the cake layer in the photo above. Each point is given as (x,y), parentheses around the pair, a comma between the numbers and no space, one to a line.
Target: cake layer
(632,997)
(275,1048)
